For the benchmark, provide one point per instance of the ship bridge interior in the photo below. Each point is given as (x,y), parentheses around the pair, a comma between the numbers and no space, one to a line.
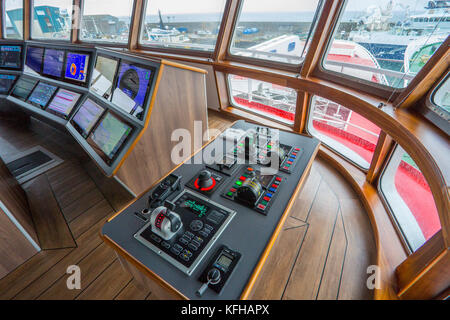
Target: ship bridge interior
(224,150)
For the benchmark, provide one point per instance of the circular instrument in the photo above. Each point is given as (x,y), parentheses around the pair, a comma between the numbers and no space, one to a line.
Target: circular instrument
(250,191)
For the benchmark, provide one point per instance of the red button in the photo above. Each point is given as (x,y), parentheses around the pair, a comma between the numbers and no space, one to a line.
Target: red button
(233,190)
(242,178)
(297,149)
(274,186)
(262,207)
(285,168)
(249,169)
(289,162)
(278,179)
(266,198)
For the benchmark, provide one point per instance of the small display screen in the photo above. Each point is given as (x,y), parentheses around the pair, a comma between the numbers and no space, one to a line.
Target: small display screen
(23,88)
(196,207)
(64,102)
(76,66)
(103,76)
(10,57)
(131,89)
(6,81)
(224,261)
(86,117)
(53,62)
(33,63)
(42,94)
(110,135)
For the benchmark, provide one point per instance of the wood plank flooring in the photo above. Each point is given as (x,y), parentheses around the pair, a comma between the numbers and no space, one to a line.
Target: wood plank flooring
(322,253)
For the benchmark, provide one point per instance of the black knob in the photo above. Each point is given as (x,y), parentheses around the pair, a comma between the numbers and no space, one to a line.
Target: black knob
(205,179)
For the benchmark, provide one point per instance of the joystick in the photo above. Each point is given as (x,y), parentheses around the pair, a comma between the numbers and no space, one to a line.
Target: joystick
(213,277)
(205,181)
(165,223)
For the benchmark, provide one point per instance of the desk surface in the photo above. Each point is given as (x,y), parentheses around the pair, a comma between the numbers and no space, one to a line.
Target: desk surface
(249,232)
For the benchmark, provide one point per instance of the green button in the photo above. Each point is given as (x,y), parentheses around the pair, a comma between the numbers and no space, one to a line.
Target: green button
(239,183)
(288,165)
(241,144)
(264,202)
(230,194)
(269,146)
(235,186)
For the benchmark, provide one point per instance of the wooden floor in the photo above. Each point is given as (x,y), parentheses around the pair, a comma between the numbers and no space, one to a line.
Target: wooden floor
(322,253)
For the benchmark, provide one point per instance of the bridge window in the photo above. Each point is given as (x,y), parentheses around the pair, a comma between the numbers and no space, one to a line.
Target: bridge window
(263,98)
(106,21)
(182,24)
(13,22)
(52,19)
(343,130)
(264,26)
(441,97)
(410,200)
(374,41)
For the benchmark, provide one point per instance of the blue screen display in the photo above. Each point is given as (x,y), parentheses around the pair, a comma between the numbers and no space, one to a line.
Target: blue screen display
(6,81)
(133,81)
(53,62)
(10,56)
(34,58)
(42,94)
(76,66)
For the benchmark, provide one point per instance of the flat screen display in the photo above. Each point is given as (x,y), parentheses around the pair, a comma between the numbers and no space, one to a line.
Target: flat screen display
(53,62)
(42,94)
(76,66)
(110,135)
(63,102)
(33,62)
(131,89)
(6,81)
(23,88)
(103,76)
(10,57)
(86,117)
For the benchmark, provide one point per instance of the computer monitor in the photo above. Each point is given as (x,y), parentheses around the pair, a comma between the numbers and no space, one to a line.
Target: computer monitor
(6,82)
(132,88)
(53,63)
(42,94)
(103,76)
(63,103)
(23,88)
(109,137)
(86,117)
(33,62)
(76,66)
(10,57)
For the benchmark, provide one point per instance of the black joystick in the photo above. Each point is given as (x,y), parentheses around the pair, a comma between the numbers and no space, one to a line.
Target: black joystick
(205,179)
(213,277)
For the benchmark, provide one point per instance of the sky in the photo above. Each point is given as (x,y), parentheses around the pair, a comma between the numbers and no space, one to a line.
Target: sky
(123,7)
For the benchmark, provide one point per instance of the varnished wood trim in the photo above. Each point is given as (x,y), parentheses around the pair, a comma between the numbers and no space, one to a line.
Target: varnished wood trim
(76,20)
(250,284)
(226,30)
(135,25)
(183,66)
(301,111)
(27,7)
(382,150)
(152,103)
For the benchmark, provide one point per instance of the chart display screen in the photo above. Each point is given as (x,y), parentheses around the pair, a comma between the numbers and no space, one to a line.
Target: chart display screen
(33,63)
(76,66)
(23,88)
(131,89)
(63,102)
(10,57)
(110,135)
(53,62)
(42,94)
(86,117)
(6,81)
(103,76)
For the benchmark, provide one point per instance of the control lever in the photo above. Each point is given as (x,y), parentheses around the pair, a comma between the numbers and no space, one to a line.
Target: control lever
(164,189)
(213,277)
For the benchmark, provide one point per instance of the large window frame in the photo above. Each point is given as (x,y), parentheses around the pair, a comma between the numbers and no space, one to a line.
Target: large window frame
(181,51)
(30,26)
(266,62)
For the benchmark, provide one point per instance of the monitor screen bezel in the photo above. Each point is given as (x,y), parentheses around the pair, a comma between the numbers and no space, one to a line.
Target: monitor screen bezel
(98,150)
(15,84)
(88,67)
(115,75)
(21,55)
(75,107)
(60,77)
(75,125)
(50,99)
(150,85)
(16,77)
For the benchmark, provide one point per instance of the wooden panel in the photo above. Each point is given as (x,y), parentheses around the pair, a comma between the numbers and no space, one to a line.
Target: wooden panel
(132,292)
(302,205)
(98,212)
(51,227)
(382,150)
(180,100)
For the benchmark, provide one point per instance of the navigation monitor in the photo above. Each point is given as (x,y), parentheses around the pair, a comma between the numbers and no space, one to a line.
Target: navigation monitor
(42,94)
(103,76)
(109,136)
(53,63)
(23,88)
(33,62)
(63,103)
(10,57)
(6,82)
(132,87)
(86,117)
(77,66)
